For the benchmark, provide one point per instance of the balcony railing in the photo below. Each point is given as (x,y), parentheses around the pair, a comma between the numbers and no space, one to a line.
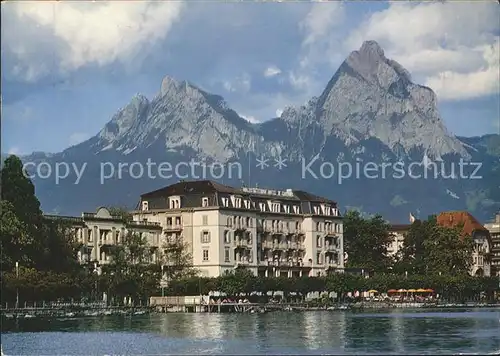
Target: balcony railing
(143,223)
(173,227)
(242,243)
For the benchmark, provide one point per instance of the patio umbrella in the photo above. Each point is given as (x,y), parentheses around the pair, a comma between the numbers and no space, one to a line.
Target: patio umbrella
(373,291)
(402,290)
(392,291)
(412,290)
(421,290)
(429,290)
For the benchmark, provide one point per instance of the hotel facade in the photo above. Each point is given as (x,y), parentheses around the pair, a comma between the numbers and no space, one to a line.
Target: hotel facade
(482,262)
(269,232)
(99,232)
(494,229)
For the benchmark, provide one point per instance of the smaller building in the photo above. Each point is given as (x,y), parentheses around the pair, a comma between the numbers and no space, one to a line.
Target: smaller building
(397,232)
(481,261)
(494,229)
(98,232)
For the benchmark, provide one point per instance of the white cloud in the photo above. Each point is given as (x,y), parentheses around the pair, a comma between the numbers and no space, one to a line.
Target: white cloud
(320,20)
(14,151)
(319,44)
(250,119)
(300,80)
(272,71)
(452,46)
(79,34)
(77,137)
(241,83)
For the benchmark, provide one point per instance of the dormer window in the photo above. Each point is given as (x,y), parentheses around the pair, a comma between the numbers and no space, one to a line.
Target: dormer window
(204,202)
(275,207)
(316,210)
(247,204)
(262,206)
(145,206)
(225,202)
(295,209)
(237,203)
(175,203)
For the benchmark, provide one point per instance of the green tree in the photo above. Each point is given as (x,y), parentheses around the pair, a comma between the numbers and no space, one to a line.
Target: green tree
(366,242)
(26,236)
(448,252)
(412,257)
(130,273)
(18,189)
(121,212)
(60,248)
(176,260)
(15,239)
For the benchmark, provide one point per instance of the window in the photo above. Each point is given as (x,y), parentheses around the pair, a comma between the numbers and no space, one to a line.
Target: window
(205,219)
(175,203)
(205,255)
(204,202)
(318,227)
(248,222)
(319,258)
(227,237)
(262,206)
(205,237)
(237,203)
(318,241)
(144,206)
(225,202)
(227,254)
(295,209)
(247,204)
(316,210)
(250,238)
(230,222)
(286,208)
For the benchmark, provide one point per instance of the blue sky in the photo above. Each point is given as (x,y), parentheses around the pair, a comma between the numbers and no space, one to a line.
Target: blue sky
(67,67)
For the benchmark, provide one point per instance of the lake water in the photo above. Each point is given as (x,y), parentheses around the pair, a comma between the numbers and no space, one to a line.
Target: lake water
(337,332)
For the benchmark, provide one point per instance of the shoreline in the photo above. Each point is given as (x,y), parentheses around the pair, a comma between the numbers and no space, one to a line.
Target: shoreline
(70,313)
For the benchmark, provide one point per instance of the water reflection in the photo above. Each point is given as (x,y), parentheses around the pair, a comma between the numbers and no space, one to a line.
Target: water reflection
(400,332)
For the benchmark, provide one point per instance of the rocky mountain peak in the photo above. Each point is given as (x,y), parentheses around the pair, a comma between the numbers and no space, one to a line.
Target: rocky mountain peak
(373,96)
(171,86)
(371,64)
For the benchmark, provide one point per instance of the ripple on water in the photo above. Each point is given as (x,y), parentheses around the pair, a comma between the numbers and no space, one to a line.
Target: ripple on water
(398,332)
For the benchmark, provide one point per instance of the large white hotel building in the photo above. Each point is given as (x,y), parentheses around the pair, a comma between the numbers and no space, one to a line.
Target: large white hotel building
(269,232)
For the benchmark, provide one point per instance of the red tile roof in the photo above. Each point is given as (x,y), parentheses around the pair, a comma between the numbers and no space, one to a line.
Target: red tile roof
(457,218)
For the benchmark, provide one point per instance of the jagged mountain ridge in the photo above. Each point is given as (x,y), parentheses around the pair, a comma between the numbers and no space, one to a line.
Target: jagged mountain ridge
(369,111)
(369,96)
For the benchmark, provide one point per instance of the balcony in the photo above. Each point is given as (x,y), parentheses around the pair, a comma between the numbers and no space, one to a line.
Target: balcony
(331,247)
(239,227)
(172,227)
(242,262)
(242,243)
(331,264)
(143,224)
(267,244)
